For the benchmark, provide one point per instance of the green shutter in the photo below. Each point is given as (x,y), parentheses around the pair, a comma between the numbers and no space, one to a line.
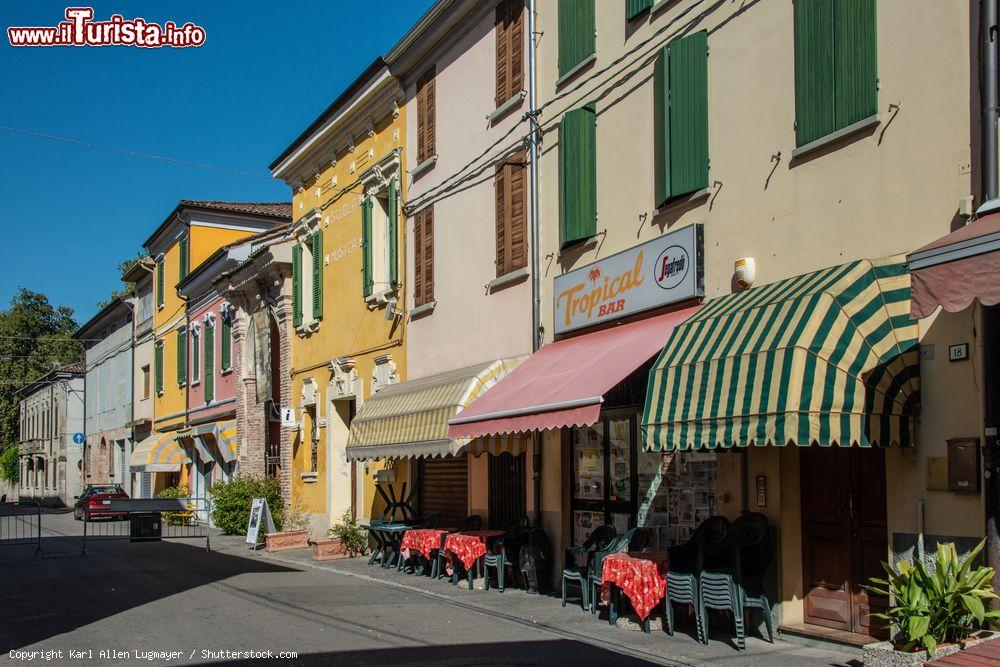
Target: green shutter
(366,246)
(297,285)
(158,368)
(209,380)
(576,33)
(661,127)
(635,7)
(227,341)
(855,65)
(181,356)
(814,70)
(688,72)
(578,174)
(183,257)
(393,232)
(317,274)
(159,283)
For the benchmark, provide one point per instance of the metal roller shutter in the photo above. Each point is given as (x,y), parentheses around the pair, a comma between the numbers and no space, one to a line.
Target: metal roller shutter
(443,487)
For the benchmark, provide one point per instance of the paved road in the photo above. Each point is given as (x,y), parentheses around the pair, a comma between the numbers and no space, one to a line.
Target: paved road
(173,603)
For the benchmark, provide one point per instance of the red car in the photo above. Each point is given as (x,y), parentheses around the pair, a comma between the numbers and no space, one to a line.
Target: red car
(95,500)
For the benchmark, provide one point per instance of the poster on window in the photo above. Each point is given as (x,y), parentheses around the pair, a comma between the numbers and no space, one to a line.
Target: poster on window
(677,491)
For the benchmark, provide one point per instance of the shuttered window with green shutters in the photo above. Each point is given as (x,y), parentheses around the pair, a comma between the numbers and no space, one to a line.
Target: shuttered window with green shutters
(680,112)
(317,274)
(209,362)
(836,69)
(227,342)
(181,357)
(158,367)
(182,257)
(577,40)
(578,175)
(366,246)
(393,231)
(195,356)
(159,283)
(297,285)
(633,8)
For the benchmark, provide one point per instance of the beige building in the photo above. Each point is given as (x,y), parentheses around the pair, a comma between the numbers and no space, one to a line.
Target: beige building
(140,275)
(720,126)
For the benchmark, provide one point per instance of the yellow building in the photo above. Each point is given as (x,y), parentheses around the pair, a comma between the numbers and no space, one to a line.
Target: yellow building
(189,235)
(348,186)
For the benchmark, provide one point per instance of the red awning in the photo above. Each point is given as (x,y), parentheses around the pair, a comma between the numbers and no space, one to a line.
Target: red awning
(957,269)
(563,384)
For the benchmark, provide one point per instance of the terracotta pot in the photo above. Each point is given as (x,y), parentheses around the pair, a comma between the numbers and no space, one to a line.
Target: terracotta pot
(293,539)
(329,550)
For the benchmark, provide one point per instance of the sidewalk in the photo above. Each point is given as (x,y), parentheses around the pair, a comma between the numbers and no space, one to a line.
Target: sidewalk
(547,612)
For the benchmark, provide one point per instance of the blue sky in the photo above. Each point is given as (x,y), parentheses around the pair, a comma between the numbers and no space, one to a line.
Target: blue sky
(266,70)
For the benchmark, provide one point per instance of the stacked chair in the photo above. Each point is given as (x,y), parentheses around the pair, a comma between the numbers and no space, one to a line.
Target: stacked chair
(599,540)
(686,562)
(505,553)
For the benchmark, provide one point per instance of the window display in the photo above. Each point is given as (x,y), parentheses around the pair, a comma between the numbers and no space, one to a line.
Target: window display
(677,491)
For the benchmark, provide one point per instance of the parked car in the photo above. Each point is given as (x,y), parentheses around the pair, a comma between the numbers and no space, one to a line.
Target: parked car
(95,500)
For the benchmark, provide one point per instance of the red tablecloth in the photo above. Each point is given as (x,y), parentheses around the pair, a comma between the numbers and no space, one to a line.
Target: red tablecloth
(423,540)
(641,576)
(466,547)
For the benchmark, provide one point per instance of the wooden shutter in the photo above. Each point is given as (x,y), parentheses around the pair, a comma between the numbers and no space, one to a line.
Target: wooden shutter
(511,214)
(158,368)
(317,274)
(509,49)
(426,112)
(576,33)
(393,232)
(423,256)
(688,66)
(227,341)
(814,70)
(297,285)
(209,362)
(366,246)
(159,283)
(578,174)
(633,8)
(428,254)
(855,65)
(503,55)
(182,253)
(181,356)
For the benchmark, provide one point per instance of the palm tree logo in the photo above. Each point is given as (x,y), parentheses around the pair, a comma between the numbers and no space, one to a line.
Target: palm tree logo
(594,275)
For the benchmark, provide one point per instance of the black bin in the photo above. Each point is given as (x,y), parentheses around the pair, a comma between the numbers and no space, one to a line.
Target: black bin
(145,526)
(534,562)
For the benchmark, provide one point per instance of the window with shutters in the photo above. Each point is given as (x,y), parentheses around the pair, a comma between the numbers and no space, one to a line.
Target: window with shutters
(209,342)
(307,280)
(426,115)
(380,235)
(195,354)
(578,175)
(226,342)
(182,340)
(183,261)
(423,256)
(836,70)
(577,37)
(680,113)
(159,283)
(635,8)
(511,214)
(158,366)
(510,49)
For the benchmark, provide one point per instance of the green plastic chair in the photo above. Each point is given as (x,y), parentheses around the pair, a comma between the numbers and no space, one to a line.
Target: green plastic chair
(598,539)
(502,554)
(686,561)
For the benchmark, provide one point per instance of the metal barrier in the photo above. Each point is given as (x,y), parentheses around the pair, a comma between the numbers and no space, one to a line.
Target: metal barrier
(21,523)
(148,520)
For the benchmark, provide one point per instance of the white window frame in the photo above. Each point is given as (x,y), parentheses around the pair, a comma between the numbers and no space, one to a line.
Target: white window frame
(194,358)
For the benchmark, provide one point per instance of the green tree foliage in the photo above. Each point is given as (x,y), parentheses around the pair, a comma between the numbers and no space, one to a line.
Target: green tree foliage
(35,336)
(231,502)
(10,469)
(129,288)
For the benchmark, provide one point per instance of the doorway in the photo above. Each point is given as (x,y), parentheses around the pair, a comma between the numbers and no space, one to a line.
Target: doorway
(844,536)
(506,490)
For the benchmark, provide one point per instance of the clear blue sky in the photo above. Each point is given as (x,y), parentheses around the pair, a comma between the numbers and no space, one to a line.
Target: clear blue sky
(266,70)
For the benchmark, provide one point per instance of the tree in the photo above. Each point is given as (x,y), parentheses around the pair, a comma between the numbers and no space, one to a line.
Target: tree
(10,466)
(35,336)
(129,288)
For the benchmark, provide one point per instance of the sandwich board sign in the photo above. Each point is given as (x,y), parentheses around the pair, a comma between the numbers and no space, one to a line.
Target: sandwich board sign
(259,513)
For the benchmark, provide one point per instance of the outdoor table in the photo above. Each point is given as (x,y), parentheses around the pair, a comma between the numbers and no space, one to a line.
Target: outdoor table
(642,576)
(424,541)
(469,546)
(387,537)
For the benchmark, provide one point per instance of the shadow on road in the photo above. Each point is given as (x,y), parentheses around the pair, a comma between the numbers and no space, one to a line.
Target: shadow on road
(65,590)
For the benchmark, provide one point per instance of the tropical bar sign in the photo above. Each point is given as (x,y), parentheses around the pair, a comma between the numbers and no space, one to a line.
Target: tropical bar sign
(666,270)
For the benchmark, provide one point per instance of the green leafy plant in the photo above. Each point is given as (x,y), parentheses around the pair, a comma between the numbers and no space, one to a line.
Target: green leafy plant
(177,518)
(353,538)
(231,501)
(10,467)
(944,605)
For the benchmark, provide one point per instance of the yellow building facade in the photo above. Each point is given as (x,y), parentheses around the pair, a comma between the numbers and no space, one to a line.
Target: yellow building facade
(348,188)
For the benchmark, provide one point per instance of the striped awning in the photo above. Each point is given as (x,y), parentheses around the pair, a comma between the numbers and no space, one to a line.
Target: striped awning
(224,435)
(160,452)
(829,358)
(191,437)
(495,445)
(410,419)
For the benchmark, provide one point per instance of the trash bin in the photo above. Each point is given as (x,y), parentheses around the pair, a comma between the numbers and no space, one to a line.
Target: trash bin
(535,560)
(145,526)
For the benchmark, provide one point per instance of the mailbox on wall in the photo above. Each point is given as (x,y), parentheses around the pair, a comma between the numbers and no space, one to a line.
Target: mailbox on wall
(963,465)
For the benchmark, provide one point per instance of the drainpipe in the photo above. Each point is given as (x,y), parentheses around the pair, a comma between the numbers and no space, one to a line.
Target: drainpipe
(536,440)
(988,95)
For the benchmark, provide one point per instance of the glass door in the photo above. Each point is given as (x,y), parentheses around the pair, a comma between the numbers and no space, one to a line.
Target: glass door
(604,481)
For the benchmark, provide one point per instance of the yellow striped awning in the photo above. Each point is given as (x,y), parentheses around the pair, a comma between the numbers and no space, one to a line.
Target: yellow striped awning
(410,419)
(495,445)
(828,358)
(224,435)
(160,452)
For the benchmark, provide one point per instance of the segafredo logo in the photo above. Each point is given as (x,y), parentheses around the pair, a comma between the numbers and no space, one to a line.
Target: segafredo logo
(671,267)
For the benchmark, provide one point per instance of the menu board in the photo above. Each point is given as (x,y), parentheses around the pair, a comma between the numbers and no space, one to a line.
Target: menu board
(677,492)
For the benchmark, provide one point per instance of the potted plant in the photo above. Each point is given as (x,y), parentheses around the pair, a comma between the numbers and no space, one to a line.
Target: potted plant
(347,540)
(294,533)
(933,613)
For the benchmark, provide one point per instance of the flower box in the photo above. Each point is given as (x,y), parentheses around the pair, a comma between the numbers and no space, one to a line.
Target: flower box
(329,550)
(293,539)
(884,654)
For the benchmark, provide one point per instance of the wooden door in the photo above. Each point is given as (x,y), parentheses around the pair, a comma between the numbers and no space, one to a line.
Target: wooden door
(843,535)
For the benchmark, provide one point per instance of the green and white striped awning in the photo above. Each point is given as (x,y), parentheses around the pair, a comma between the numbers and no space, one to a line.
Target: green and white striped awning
(828,358)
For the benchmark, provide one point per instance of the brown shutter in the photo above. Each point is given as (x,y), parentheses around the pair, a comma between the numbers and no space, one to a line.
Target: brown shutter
(418,259)
(428,254)
(503,62)
(511,206)
(500,183)
(421,121)
(516,45)
(510,49)
(425,116)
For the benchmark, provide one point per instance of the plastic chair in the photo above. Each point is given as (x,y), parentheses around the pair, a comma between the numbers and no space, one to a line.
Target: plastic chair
(598,539)
(471,522)
(686,560)
(417,560)
(503,552)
